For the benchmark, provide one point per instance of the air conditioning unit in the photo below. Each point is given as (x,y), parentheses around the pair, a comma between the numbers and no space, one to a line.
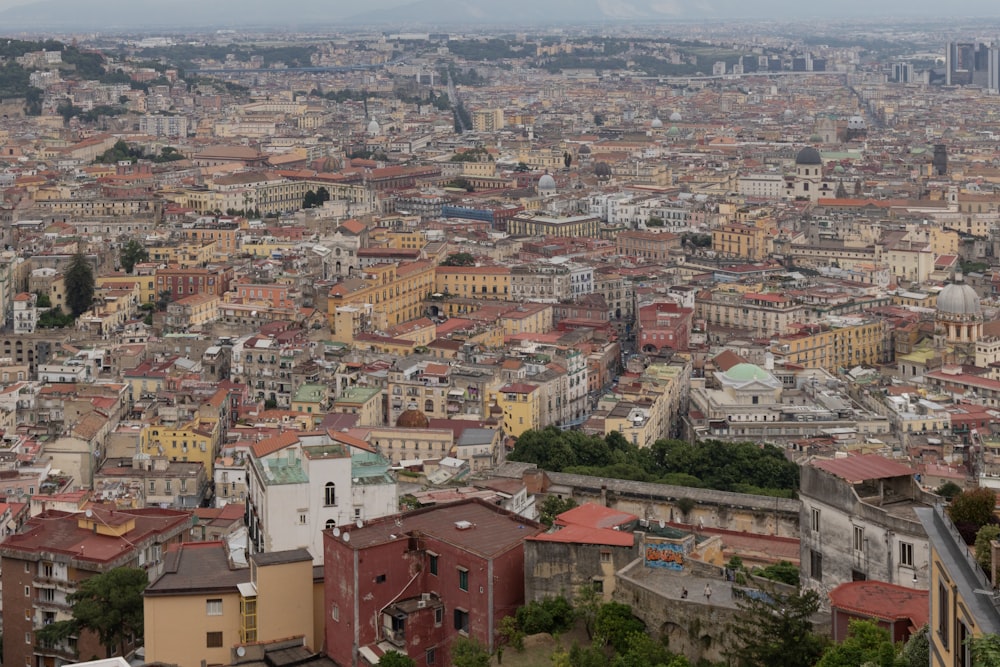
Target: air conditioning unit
(421,604)
(425,597)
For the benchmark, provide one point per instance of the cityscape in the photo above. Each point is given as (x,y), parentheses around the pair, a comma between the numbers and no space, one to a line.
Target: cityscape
(430,333)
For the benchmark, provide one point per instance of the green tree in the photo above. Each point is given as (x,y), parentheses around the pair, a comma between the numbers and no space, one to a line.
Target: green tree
(510,634)
(984,553)
(866,643)
(43,300)
(79,280)
(567,159)
(975,506)
(132,253)
(948,490)
(468,652)
(109,605)
(776,630)
(916,650)
(396,659)
(588,601)
(459,259)
(783,572)
(615,624)
(985,650)
(310,200)
(552,507)
(644,651)
(322,195)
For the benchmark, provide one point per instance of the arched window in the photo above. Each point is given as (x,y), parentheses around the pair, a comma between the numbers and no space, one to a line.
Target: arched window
(330,523)
(330,494)
(428,405)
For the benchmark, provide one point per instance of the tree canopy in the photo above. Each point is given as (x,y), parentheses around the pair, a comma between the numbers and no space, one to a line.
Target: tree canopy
(739,467)
(108,604)
(132,253)
(459,259)
(79,279)
(777,629)
(866,643)
(468,652)
(396,659)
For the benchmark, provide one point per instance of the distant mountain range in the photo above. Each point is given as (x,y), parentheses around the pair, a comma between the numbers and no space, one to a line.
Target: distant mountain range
(139,15)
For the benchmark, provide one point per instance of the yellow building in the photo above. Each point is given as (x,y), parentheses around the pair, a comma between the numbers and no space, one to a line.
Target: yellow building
(192,311)
(147,284)
(266,246)
(832,346)
(960,594)
(385,295)
(366,402)
(406,239)
(744,241)
(487,120)
(537,224)
(310,399)
(479,282)
(527,318)
(194,442)
(203,606)
(521,407)
(185,255)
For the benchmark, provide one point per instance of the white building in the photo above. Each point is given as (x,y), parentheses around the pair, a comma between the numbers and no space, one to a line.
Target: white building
(25,313)
(762,186)
(163,126)
(300,484)
(858,523)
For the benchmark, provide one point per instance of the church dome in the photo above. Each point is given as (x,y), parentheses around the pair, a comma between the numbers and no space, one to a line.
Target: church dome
(657,123)
(547,183)
(675,117)
(958,299)
(673,131)
(412,418)
(808,155)
(747,373)
(584,150)
(373,127)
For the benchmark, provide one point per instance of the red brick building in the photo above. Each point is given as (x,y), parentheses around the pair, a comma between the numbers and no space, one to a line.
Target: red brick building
(57,550)
(185,282)
(664,325)
(414,582)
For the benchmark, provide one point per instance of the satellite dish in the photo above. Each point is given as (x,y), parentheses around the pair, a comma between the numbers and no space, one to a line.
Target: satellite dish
(89,512)
(336,531)
(359,523)
(661,523)
(240,651)
(347,537)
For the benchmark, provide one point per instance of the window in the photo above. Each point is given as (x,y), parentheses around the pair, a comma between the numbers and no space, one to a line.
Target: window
(438,616)
(944,614)
(964,652)
(605,556)
(462,621)
(906,554)
(213,607)
(335,613)
(380,579)
(859,538)
(27,637)
(330,494)
(430,656)
(433,564)
(815,565)
(213,639)
(463,578)
(598,585)
(302,519)
(330,524)
(815,520)
(27,591)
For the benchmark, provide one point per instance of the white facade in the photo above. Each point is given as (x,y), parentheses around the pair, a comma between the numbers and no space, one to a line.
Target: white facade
(763,186)
(303,484)
(25,313)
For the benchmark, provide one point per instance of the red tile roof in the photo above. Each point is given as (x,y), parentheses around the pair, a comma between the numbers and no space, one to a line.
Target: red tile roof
(881,600)
(271,445)
(592,515)
(583,535)
(855,469)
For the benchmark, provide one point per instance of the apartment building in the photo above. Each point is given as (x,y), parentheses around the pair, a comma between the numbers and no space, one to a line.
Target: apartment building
(836,344)
(302,483)
(649,246)
(55,552)
(383,296)
(761,314)
(478,282)
(422,579)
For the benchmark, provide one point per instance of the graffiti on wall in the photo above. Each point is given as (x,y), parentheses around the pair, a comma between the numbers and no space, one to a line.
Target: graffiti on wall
(664,554)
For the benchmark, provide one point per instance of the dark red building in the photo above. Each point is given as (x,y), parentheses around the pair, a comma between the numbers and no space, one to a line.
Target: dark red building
(664,325)
(214,280)
(414,582)
(898,609)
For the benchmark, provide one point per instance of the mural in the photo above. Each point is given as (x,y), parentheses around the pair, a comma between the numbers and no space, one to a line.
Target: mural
(664,554)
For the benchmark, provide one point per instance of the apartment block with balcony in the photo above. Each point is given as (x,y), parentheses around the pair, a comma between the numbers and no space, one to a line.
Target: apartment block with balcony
(55,552)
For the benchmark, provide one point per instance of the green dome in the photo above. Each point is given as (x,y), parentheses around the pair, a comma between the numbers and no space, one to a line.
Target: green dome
(673,131)
(747,373)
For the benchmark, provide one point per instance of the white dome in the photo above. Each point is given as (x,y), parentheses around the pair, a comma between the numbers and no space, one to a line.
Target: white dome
(546,182)
(373,127)
(856,123)
(656,123)
(958,299)
(675,117)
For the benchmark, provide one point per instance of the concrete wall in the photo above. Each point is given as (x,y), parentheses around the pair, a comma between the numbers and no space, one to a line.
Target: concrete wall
(557,568)
(762,515)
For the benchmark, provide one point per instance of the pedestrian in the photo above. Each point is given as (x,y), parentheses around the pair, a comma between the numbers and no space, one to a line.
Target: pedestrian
(708,592)
(684,593)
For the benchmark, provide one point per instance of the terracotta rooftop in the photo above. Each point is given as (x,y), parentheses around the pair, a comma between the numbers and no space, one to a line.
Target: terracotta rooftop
(856,469)
(881,600)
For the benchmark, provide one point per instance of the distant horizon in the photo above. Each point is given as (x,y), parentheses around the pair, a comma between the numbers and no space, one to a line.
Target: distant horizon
(116,16)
